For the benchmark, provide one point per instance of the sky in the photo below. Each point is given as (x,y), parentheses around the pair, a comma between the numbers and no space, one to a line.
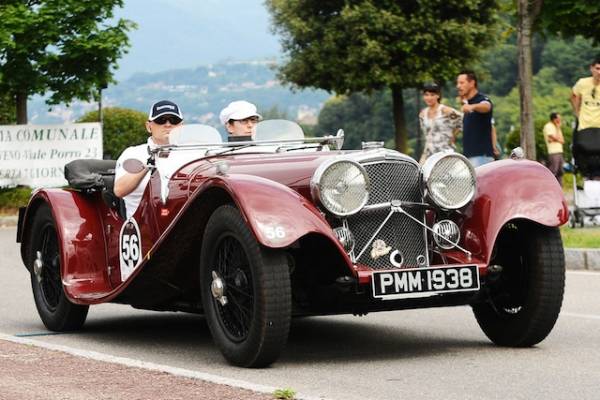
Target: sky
(174,34)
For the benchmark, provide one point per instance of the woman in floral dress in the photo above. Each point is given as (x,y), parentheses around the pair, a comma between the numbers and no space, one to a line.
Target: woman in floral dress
(439,123)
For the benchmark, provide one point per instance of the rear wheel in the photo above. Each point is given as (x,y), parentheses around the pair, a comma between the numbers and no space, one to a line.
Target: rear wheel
(245,290)
(525,300)
(55,310)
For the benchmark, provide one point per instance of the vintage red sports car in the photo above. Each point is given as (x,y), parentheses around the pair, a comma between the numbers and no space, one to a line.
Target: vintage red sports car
(252,233)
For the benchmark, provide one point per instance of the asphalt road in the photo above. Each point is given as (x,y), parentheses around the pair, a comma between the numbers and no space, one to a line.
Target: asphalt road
(425,354)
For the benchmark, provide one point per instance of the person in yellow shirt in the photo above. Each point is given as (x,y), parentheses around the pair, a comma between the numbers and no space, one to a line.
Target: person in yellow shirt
(585,98)
(554,142)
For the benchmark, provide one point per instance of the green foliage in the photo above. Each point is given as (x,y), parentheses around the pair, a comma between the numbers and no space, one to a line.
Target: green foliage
(549,96)
(13,198)
(7,110)
(362,117)
(368,45)
(122,128)
(570,58)
(65,47)
(514,140)
(365,118)
(571,17)
(284,394)
(363,45)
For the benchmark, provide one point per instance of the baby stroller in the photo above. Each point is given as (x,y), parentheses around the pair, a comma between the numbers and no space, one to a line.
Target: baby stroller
(586,160)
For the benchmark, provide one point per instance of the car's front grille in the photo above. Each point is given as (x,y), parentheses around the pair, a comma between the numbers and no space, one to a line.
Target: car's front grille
(391,180)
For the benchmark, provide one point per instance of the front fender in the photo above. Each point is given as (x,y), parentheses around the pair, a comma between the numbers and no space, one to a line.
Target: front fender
(276,214)
(80,236)
(510,190)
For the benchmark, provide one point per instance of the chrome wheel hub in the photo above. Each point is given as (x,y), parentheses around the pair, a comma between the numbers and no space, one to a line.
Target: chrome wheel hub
(38,266)
(217,288)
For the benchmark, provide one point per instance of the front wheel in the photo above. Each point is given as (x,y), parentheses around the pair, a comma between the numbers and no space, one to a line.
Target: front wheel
(55,310)
(525,300)
(246,292)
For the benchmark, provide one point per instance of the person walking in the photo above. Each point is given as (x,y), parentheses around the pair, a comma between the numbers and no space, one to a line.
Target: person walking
(479,145)
(554,139)
(439,123)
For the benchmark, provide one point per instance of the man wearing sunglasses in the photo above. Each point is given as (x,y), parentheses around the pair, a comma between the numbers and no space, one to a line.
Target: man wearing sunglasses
(164,115)
(585,98)
(240,119)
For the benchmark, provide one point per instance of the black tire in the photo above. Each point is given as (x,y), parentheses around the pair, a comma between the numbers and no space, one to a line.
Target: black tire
(525,300)
(252,328)
(55,310)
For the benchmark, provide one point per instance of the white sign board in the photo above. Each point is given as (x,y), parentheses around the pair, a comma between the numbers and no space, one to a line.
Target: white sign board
(35,155)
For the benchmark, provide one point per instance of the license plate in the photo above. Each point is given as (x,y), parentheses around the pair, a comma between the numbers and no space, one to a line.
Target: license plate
(424,282)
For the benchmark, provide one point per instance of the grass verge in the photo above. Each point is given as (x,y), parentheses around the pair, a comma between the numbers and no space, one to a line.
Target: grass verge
(588,237)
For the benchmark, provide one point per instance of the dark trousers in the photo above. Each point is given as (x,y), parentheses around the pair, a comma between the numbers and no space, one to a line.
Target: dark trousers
(555,165)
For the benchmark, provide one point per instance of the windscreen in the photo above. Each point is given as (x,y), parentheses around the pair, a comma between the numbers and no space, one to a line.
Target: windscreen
(278,129)
(194,134)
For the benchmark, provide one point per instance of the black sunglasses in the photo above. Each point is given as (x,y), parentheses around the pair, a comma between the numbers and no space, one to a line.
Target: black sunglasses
(594,93)
(171,118)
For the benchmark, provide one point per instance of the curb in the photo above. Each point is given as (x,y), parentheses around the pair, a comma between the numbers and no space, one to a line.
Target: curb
(8,220)
(582,259)
(577,259)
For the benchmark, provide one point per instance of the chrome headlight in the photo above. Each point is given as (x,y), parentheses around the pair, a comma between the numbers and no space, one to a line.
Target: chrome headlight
(341,186)
(450,180)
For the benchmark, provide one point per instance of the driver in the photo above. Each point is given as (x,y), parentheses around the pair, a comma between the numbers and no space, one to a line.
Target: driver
(164,115)
(240,119)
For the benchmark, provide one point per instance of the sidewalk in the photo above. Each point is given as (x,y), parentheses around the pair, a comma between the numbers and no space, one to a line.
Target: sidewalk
(32,372)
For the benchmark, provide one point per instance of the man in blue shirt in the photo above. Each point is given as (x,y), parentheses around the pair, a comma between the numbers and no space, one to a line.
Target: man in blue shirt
(479,145)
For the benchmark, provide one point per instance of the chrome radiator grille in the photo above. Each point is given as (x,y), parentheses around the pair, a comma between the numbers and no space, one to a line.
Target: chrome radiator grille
(391,180)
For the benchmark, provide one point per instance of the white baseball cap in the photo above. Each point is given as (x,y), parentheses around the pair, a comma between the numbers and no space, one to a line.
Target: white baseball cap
(240,109)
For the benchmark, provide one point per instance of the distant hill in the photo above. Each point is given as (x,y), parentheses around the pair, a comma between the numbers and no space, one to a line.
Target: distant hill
(201,93)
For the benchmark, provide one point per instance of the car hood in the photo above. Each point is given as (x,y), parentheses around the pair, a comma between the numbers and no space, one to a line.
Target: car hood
(292,170)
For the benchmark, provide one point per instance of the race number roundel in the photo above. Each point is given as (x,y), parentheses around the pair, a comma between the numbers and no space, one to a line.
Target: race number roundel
(130,248)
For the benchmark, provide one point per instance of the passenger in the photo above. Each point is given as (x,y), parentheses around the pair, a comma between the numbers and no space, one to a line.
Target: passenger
(240,119)
(164,115)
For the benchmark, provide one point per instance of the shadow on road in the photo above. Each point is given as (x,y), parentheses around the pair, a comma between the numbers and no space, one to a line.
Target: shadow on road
(312,340)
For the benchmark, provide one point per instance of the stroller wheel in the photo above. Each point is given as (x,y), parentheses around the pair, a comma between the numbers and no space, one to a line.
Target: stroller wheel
(580,219)
(572,221)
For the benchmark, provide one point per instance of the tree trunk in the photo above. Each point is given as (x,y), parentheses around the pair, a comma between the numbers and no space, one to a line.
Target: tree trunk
(419,146)
(21,103)
(399,119)
(528,10)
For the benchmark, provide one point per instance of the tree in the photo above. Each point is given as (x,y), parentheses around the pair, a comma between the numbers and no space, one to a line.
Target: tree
(527,10)
(367,45)
(122,127)
(60,46)
(570,18)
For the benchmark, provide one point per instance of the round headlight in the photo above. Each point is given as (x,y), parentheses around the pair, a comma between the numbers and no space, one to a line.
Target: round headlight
(341,186)
(450,180)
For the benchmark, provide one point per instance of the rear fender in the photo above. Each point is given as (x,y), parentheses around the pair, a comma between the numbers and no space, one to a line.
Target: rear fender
(80,236)
(511,190)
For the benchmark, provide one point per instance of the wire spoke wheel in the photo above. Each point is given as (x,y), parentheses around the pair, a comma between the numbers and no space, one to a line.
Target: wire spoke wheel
(43,252)
(50,282)
(233,267)
(246,291)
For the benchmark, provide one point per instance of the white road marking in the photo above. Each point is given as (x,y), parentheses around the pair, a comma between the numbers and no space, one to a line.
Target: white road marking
(130,362)
(587,273)
(576,315)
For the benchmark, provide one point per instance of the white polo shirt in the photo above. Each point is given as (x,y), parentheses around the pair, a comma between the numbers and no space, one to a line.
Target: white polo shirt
(140,152)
